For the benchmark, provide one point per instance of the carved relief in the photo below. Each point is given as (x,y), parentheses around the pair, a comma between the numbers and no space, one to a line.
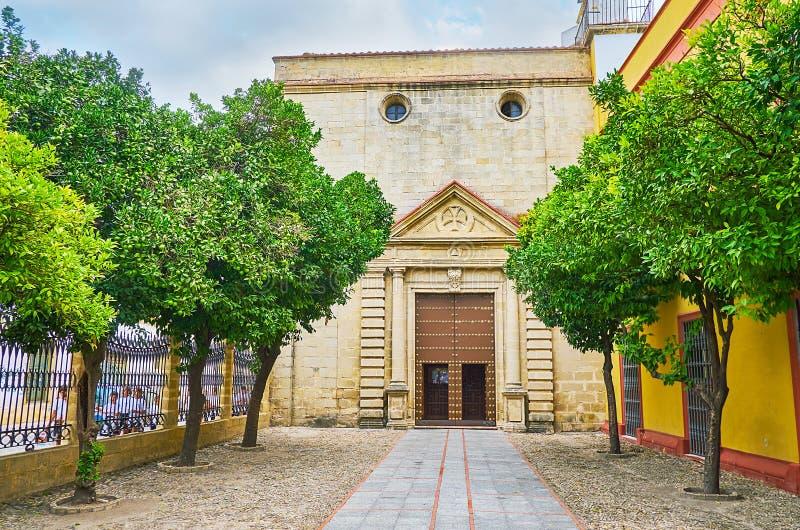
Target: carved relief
(455,218)
(454,279)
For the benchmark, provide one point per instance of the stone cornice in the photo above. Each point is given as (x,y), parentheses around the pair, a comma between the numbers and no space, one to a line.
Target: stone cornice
(305,86)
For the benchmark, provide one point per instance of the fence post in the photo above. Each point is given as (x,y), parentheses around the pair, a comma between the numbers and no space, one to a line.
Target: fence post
(226,397)
(173,386)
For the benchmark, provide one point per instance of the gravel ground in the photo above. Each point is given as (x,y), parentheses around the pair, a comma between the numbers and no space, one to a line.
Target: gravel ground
(303,475)
(645,491)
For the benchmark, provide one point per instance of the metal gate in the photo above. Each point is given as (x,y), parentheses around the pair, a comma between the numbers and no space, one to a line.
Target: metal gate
(632,393)
(454,333)
(698,367)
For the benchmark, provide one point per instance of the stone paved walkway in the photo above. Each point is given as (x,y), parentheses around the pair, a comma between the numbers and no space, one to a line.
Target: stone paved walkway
(459,479)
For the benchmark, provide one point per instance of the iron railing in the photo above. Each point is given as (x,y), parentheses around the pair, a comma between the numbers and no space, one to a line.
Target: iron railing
(34,394)
(243,380)
(632,391)
(212,380)
(610,13)
(698,367)
(129,396)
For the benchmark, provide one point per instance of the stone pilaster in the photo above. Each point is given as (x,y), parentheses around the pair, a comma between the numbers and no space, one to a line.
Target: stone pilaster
(397,392)
(172,390)
(539,349)
(373,345)
(514,394)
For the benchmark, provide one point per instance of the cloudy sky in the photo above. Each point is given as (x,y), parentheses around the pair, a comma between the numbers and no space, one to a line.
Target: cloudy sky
(214,46)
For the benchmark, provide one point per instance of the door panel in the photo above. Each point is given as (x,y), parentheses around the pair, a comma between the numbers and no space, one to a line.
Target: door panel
(436,391)
(450,330)
(473,389)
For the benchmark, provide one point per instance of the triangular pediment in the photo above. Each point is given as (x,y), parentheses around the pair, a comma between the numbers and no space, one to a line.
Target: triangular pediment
(454,212)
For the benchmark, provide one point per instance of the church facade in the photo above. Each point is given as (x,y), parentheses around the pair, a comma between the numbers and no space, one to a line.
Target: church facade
(462,142)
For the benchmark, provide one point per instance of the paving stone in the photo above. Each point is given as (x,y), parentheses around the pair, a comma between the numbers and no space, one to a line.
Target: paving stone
(503,490)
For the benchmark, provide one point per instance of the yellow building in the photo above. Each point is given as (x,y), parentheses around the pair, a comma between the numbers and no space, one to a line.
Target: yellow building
(761,419)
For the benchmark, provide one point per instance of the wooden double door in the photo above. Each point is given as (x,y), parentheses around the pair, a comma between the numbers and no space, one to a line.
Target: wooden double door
(454,357)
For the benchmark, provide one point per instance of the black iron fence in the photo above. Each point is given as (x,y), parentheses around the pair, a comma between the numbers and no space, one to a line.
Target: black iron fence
(35,387)
(243,379)
(612,13)
(212,380)
(130,393)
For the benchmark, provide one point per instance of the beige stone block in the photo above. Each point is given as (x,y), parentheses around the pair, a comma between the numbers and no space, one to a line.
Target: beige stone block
(540,385)
(372,362)
(372,302)
(372,344)
(367,382)
(539,344)
(539,334)
(540,354)
(540,396)
(371,403)
(371,392)
(540,406)
(540,364)
(540,375)
(372,333)
(373,323)
(372,372)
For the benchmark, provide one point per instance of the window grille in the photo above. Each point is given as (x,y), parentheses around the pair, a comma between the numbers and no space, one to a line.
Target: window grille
(35,389)
(632,393)
(243,380)
(129,396)
(211,382)
(696,354)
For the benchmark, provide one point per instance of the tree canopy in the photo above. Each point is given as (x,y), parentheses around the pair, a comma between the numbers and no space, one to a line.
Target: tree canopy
(50,254)
(576,264)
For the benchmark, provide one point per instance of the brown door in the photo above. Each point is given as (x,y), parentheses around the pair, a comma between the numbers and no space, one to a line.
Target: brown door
(436,379)
(456,332)
(473,390)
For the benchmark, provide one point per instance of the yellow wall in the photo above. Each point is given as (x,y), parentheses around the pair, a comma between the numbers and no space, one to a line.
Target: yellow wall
(759,416)
(658,35)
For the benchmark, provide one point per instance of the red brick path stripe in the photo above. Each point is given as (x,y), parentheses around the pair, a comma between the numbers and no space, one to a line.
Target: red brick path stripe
(466,477)
(432,525)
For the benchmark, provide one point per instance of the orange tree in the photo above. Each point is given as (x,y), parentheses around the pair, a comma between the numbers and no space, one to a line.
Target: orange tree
(710,182)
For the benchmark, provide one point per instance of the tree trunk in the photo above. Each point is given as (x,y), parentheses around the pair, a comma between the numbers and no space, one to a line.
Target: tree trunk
(197,400)
(613,429)
(713,446)
(86,427)
(267,356)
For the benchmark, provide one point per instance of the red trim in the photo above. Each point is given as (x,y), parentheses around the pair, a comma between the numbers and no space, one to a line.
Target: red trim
(685,317)
(439,483)
(676,47)
(780,473)
(474,195)
(466,478)
(794,363)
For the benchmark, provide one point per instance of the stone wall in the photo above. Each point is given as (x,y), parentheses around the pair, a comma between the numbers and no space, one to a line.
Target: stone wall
(452,132)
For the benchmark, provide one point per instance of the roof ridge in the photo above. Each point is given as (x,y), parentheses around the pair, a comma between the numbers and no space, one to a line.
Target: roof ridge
(426,52)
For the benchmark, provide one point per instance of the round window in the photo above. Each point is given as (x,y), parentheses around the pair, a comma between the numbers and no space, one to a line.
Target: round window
(512,105)
(395,112)
(511,109)
(395,108)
